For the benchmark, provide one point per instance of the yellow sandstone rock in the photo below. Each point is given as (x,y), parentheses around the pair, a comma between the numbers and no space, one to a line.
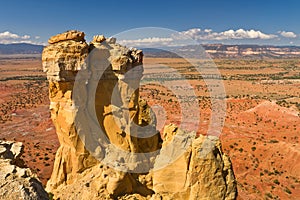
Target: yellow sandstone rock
(107,76)
(69,35)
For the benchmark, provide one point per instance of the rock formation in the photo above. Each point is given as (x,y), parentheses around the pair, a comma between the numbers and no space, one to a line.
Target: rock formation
(95,107)
(202,172)
(16,181)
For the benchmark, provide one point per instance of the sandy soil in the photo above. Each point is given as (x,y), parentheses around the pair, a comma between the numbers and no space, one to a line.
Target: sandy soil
(25,116)
(262,125)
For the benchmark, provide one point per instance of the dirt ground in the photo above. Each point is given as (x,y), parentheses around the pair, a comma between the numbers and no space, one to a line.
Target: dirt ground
(24,113)
(262,123)
(261,127)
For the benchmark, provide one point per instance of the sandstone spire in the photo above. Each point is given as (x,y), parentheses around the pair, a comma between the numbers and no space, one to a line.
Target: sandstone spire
(95,106)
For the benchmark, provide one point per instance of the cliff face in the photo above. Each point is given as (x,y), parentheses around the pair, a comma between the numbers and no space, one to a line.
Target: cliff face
(96,109)
(62,60)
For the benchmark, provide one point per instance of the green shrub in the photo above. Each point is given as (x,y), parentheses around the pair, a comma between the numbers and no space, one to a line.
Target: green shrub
(269,195)
(50,195)
(287,190)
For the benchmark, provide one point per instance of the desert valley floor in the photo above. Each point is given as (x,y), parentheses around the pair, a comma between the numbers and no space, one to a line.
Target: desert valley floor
(260,133)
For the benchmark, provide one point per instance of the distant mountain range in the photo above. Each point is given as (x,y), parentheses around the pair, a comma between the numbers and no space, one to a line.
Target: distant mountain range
(20,48)
(252,51)
(228,51)
(214,50)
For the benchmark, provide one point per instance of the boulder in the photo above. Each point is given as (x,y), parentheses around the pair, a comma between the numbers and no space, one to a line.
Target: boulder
(77,36)
(16,181)
(98,39)
(202,172)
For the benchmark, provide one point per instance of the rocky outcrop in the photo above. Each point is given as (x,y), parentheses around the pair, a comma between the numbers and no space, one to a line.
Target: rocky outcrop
(69,35)
(110,147)
(62,60)
(202,172)
(16,181)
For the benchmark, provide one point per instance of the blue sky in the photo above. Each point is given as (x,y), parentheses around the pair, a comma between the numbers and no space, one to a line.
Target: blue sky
(210,21)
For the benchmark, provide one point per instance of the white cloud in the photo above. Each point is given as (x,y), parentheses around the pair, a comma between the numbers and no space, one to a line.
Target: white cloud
(193,33)
(150,41)
(25,37)
(7,37)
(287,34)
(208,34)
(197,35)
